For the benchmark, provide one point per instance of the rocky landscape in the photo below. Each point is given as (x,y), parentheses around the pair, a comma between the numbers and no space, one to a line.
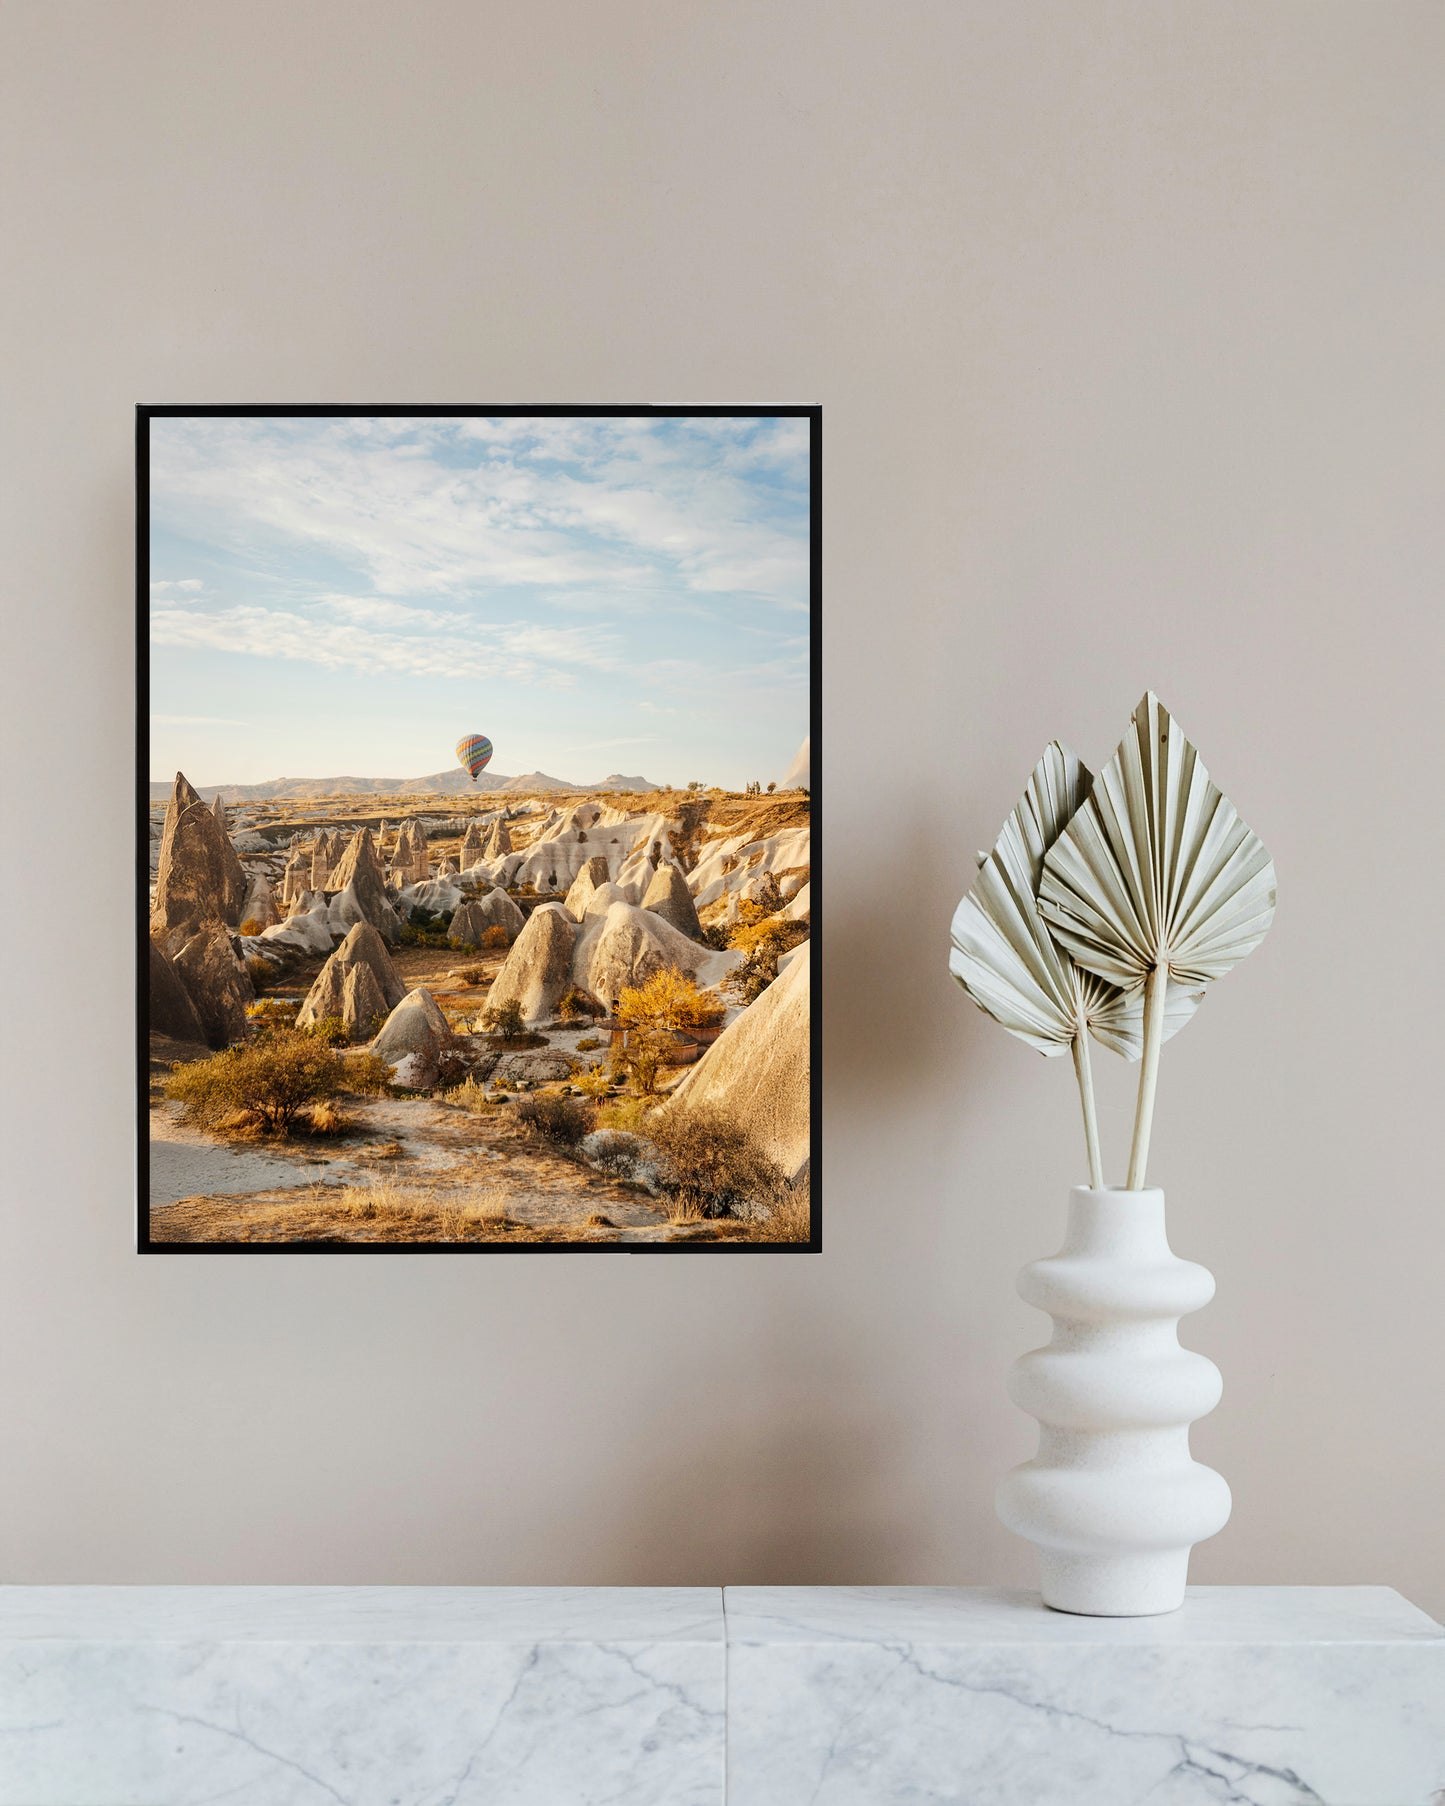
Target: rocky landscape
(517,1014)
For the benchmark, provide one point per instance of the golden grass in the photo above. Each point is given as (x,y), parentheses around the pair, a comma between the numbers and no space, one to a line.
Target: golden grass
(381,1212)
(789,1216)
(469,1095)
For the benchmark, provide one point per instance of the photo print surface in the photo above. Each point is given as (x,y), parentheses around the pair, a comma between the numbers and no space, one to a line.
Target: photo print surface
(476,820)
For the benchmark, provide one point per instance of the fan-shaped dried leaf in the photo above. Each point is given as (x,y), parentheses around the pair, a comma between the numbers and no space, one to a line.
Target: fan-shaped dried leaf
(1003,953)
(1157,867)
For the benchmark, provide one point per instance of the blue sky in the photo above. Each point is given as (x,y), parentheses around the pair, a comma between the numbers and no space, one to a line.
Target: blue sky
(350,596)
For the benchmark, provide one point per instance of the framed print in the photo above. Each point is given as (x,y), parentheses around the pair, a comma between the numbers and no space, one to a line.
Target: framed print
(476,897)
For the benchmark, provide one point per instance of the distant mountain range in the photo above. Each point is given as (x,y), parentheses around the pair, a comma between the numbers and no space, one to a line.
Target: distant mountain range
(440,783)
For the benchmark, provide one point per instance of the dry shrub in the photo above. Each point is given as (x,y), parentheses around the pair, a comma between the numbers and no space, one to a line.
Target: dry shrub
(271,1010)
(554,1118)
(625,1113)
(669,1000)
(595,1082)
(266,1083)
(588,1044)
(642,1059)
(332,1030)
(598,1221)
(716,1169)
(250,928)
(789,1215)
(576,1005)
(367,1074)
(494,938)
(505,1021)
(471,975)
(259,971)
(325,1119)
(761,939)
(469,1095)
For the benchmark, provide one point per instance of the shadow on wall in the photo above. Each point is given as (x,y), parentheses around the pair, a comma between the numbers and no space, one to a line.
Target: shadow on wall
(891,1011)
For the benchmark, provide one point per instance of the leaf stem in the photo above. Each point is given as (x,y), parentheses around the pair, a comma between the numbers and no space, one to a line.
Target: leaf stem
(1085,1075)
(1154,992)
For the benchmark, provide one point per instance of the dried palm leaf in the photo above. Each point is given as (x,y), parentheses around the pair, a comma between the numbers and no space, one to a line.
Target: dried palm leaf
(1156,880)
(1006,959)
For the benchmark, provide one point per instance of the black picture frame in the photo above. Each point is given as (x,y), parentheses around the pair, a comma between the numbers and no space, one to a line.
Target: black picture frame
(145,413)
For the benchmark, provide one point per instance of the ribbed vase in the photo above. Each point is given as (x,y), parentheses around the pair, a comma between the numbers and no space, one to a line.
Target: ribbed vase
(1113,1500)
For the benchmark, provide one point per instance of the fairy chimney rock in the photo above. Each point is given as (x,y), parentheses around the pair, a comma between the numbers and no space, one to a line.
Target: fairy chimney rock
(199,879)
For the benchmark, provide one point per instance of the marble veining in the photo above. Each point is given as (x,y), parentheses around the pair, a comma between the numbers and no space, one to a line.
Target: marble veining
(979,1697)
(360,1697)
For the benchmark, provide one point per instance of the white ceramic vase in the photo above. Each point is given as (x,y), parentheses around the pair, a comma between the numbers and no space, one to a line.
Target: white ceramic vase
(1113,1500)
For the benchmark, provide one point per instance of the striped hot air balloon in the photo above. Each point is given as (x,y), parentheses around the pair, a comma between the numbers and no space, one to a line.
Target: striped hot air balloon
(473,752)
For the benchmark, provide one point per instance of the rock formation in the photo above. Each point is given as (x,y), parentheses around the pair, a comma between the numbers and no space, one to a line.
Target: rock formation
(324,853)
(762,889)
(625,945)
(218,809)
(440,896)
(411,1039)
(359,869)
(409,861)
(474,845)
(495,910)
(448,867)
(540,1068)
(306,929)
(343,911)
(362,1003)
(499,841)
(363,947)
(798,909)
(603,897)
(756,1074)
(539,967)
(296,878)
(669,897)
(259,909)
(171,1011)
(595,872)
(217,983)
(729,864)
(199,878)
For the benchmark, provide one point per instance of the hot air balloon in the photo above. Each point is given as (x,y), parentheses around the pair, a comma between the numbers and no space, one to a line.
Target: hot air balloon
(473,752)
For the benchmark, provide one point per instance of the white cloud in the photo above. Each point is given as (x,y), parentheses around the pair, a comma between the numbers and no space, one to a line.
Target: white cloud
(573,504)
(515,651)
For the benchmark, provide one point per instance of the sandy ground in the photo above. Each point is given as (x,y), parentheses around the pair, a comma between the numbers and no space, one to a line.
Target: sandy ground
(204,1188)
(186,1163)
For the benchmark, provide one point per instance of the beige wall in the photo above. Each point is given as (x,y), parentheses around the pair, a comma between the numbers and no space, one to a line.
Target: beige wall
(1126,324)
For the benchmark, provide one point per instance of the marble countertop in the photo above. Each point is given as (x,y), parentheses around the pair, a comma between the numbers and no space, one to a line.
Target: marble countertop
(699,1696)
